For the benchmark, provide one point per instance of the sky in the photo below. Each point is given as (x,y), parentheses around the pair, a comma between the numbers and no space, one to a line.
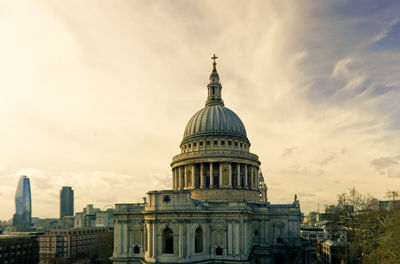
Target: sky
(96,94)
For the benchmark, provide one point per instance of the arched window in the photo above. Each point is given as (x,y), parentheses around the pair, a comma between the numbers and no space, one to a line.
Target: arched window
(218,251)
(168,241)
(198,240)
(136,249)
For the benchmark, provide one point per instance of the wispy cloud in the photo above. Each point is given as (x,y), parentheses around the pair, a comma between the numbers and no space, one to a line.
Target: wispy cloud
(99,100)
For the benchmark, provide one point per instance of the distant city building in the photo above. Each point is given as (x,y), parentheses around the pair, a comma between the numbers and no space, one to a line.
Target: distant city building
(66,201)
(330,252)
(23,205)
(19,248)
(54,223)
(75,245)
(94,217)
(312,233)
(389,205)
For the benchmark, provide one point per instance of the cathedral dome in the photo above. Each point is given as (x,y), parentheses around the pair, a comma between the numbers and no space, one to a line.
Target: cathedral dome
(215,120)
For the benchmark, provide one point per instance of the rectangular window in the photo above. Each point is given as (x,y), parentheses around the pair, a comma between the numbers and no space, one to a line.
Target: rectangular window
(235,144)
(229,143)
(208,142)
(222,142)
(201,143)
(194,144)
(190,145)
(215,142)
(241,145)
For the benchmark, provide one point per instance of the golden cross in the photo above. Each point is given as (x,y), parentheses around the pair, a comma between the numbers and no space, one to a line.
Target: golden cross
(214,57)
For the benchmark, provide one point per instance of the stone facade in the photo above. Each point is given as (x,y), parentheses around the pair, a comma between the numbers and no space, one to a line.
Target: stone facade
(217,210)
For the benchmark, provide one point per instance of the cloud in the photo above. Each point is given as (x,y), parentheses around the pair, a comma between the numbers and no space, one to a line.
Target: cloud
(106,94)
(386,28)
(388,166)
(289,151)
(306,195)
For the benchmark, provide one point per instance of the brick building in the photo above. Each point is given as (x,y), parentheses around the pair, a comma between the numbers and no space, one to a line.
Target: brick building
(75,245)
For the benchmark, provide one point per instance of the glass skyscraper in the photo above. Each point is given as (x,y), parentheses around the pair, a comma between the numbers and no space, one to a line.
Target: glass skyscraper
(23,205)
(66,201)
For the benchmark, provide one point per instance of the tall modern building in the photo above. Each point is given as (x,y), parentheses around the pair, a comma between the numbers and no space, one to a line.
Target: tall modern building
(23,205)
(66,201)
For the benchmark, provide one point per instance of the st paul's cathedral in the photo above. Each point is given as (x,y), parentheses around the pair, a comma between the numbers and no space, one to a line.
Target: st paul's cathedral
(217,210)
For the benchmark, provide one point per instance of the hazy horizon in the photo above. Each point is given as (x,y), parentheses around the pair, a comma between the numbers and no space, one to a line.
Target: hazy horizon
(96,95)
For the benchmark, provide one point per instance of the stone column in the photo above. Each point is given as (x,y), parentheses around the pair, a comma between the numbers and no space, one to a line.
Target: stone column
(181,183)
(154,240)
(177,178)
(245,176)
(193,176)
(202,179)
(144,239)
(211,176)
(230,175)
(254,178)
(173,179)
(220,174)
(239,180)
(185,177)
(150,239)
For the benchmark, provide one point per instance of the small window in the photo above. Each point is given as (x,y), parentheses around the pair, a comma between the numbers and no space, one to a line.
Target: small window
(256,232)
(194,144)
(201,143)
(229,143)
(208,142)
(218,251)
(215,142)
(166,199)
(136,249)
(213,90)
(185,146)
(235,144)
(190,145)
(279,240)
(222,142)
(241,145)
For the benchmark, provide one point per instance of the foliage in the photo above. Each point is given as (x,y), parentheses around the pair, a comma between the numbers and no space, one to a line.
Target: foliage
(373,234)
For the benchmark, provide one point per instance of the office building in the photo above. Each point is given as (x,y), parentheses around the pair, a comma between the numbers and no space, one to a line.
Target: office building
(66,201)
(23,205)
